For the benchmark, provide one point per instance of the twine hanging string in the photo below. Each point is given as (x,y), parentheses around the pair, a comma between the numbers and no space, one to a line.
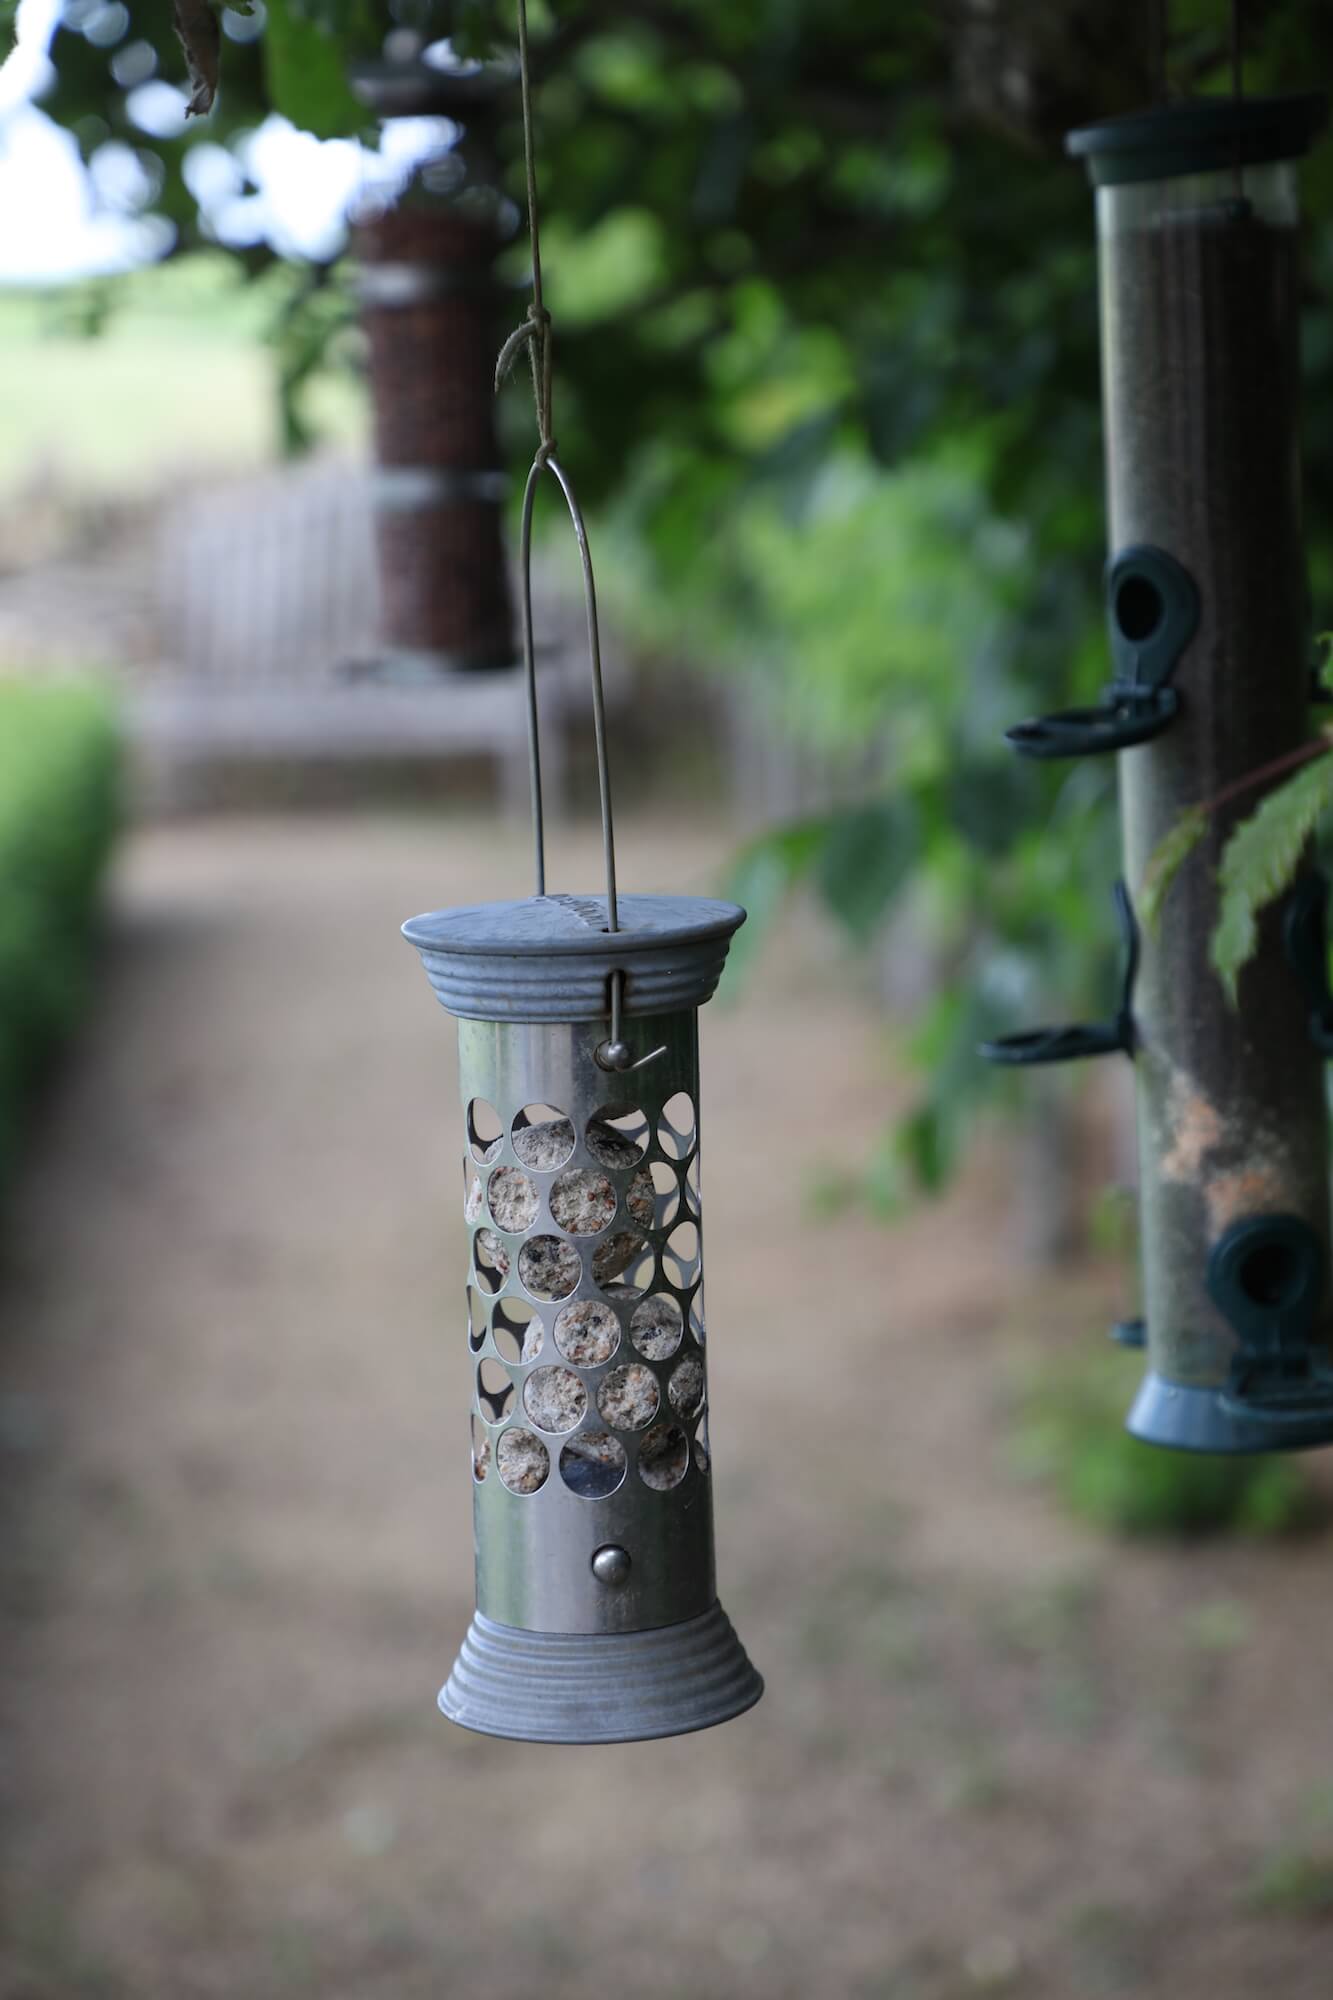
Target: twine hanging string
(535,334)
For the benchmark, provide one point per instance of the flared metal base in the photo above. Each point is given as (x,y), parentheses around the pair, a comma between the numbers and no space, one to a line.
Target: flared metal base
(594,1687)
(1191,1419)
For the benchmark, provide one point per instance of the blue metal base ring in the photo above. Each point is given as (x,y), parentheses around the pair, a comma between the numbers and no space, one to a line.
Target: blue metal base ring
(1191,1419)
(597,1687)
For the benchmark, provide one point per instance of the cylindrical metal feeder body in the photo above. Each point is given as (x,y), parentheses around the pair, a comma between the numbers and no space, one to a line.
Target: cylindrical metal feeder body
(429,306)
(1199,272)
(597,1607)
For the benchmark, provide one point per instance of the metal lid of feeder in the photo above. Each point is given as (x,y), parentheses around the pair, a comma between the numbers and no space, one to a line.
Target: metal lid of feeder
(1199,136)
(551,958)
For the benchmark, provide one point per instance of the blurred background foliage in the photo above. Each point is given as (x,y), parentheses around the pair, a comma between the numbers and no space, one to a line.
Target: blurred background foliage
(59,807)
(825,297)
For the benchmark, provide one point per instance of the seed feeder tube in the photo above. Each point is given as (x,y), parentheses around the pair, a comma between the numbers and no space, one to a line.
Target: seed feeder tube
(1197,222)
(429,296)
(597,1615)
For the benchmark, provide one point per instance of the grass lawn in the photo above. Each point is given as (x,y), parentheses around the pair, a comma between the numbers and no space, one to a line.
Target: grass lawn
(180,373)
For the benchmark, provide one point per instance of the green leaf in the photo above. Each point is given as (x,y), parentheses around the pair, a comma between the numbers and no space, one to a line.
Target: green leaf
(866,855)
(307,77)
(762,877)
(1166,862)
(1259,861)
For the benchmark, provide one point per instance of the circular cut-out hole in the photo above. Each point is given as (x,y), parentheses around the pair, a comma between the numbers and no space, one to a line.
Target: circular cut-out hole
(693,1192)
(626,1256)
(1272,1274)
(490,1260)
(587,1333)
(1138,607)
(583,1202)
(513,1200)
(516,1329)
(549,1267)
(555,1399)
(686,1387)
(617,1137)
(629,1397)
(543,1137)
(666,1206)
(476,1318)
(481,1449)
(522,1460)
(593,1464)
(474,1192)
(703,1457)
(484,1130)
(655,1327)
(681,1255)
(664,1455)
(675,1128)
(495,1391)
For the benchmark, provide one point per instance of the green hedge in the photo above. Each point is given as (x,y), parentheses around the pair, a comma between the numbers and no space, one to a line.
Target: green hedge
(1068,1431)
(59,773)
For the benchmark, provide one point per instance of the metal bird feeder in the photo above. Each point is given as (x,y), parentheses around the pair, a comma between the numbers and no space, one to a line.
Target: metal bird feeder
(1197,213)
(429,299)
(597,1615)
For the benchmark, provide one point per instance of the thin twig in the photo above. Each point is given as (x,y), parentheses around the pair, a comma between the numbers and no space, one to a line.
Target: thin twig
(1291,760)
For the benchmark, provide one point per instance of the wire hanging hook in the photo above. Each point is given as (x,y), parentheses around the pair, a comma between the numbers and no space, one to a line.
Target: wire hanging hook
(614,1053)
(535,334)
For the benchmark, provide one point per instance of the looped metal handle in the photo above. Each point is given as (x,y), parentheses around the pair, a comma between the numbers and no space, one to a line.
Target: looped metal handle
(614,1053)
(1090,1038)
(546,461)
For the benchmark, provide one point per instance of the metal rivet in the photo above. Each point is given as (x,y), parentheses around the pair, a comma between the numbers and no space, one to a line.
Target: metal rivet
(611,1564)
(615,1055)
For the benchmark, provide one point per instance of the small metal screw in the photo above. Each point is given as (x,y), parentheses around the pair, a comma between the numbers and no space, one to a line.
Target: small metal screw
(611,1564)
(615,1055)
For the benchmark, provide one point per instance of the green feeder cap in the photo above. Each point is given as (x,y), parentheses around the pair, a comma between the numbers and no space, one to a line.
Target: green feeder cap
(1201,135)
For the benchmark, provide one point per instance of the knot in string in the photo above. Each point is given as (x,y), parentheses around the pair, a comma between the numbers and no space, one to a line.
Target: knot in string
(535,331)
(535,335)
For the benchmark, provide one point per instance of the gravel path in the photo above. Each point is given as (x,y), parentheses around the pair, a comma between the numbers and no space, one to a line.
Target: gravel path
(996,1755)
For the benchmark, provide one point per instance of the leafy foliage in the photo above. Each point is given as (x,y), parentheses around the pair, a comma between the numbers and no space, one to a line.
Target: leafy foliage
(1168,860)
(1261,859)
(58,813)
(1069,1433)
(305,69)
(825,297)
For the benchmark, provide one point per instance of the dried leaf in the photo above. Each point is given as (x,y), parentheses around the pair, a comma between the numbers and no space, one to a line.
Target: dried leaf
(200,35)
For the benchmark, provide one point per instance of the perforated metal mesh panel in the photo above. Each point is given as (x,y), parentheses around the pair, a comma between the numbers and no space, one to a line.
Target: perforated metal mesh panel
(586,1322)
